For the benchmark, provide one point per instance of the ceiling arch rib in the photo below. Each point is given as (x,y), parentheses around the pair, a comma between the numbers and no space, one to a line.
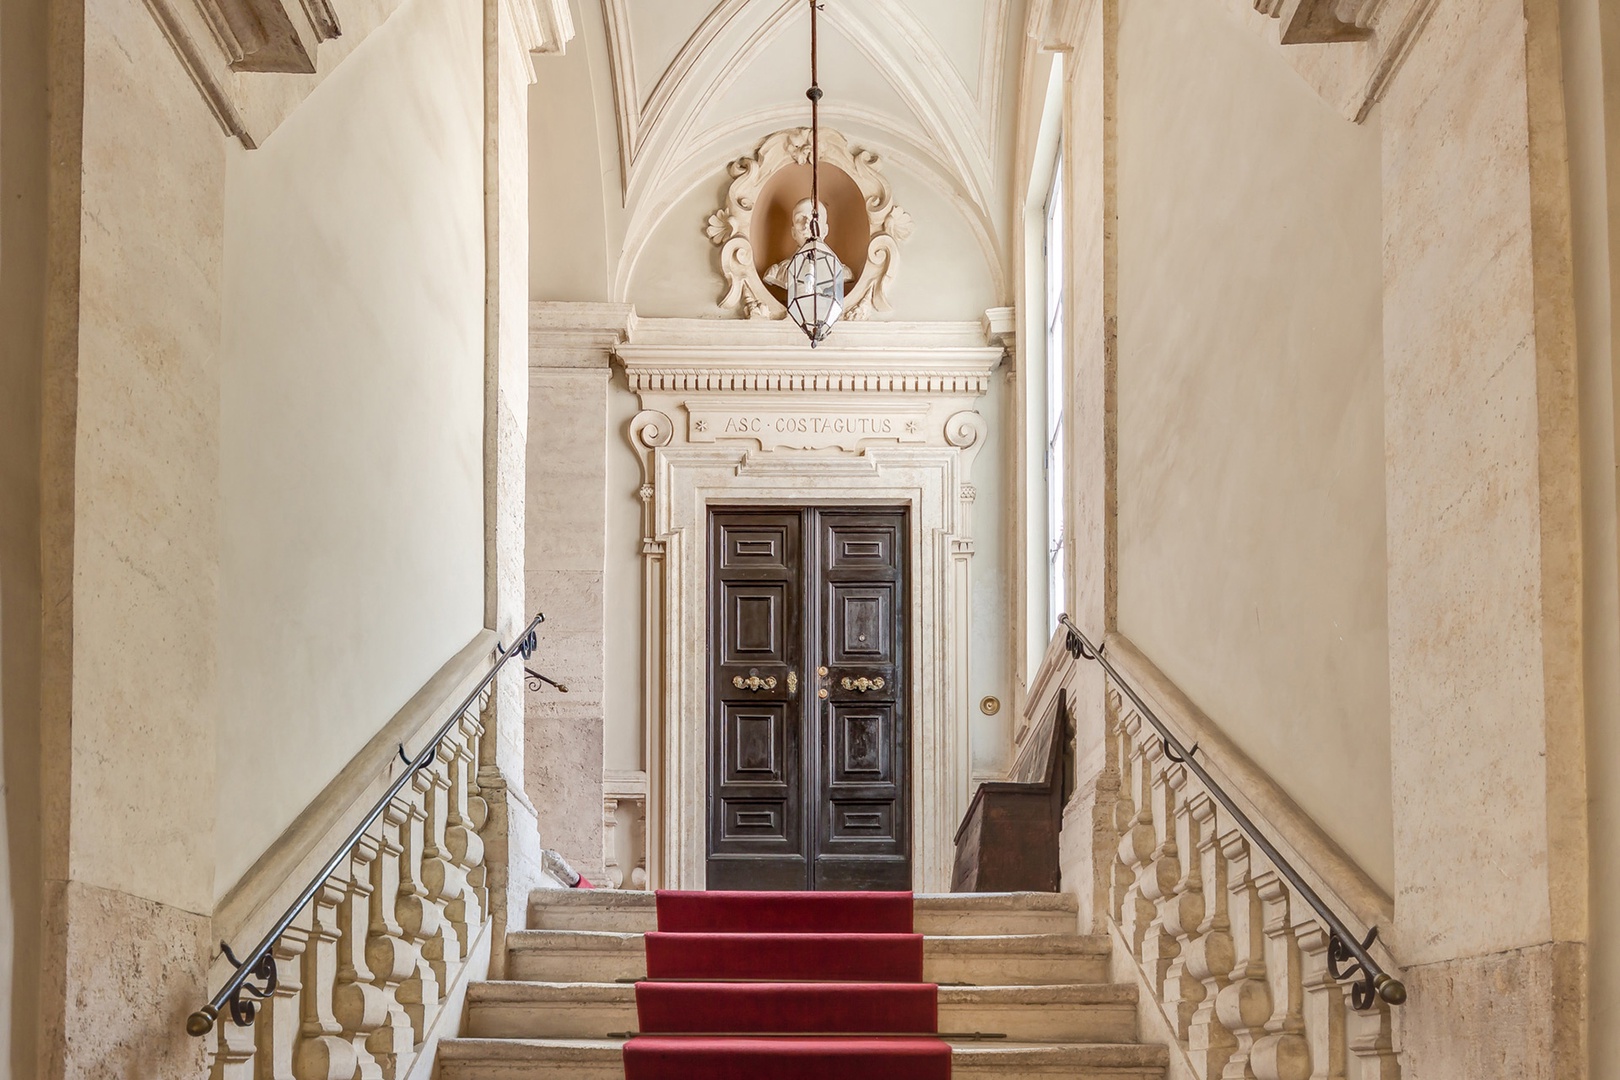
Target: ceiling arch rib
(730,82)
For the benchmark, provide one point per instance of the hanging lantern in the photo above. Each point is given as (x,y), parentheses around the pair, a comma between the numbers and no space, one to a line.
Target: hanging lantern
(815,290)
(815,276)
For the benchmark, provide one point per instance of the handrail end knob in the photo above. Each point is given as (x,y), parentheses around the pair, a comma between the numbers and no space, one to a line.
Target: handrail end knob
(1391,990)
(200,1023)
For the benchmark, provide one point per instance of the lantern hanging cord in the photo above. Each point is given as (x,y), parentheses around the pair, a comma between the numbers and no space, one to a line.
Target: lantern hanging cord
(815,130)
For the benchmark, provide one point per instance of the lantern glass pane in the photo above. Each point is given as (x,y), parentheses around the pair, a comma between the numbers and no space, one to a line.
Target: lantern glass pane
(816,289)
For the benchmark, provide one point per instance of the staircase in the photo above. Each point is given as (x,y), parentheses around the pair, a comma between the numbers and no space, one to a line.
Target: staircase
(1007,964)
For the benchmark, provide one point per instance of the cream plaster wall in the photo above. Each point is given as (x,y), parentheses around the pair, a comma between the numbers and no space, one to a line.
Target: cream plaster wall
(352,414)
(1250,483)
(568,250)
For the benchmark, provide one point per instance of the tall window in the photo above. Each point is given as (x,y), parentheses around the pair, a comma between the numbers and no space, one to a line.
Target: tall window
(1056,385)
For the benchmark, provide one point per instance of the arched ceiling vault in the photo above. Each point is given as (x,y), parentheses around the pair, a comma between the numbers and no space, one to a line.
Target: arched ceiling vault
(695,84)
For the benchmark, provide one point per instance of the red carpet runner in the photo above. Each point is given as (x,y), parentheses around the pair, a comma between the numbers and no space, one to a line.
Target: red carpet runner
(786,986)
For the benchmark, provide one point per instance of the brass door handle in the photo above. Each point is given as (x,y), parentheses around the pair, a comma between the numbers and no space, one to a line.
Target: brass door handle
(862,684)
(754,683)
(793,684)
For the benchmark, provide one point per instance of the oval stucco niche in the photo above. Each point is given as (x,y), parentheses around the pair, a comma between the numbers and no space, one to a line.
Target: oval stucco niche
(848,225)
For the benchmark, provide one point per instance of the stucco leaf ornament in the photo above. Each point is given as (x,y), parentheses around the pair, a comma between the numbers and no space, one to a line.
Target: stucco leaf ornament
(722,227)
(899,224)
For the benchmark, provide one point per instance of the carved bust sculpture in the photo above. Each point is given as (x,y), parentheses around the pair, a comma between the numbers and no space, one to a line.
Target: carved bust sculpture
(870,229)
(778,274)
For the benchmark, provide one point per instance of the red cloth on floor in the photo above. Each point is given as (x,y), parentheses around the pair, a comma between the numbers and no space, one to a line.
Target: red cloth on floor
(828,974)
(788,1008)
(784,913)
(675,1058)
(786,957)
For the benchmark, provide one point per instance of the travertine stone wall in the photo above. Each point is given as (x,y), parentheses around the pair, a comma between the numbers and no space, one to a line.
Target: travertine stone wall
(1484,545)
(132,540)
(565,570)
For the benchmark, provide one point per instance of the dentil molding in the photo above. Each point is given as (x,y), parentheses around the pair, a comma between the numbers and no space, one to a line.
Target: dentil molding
(255,61)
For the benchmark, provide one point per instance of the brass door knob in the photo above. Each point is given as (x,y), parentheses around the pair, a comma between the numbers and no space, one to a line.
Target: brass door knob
(754,683)
(862,684)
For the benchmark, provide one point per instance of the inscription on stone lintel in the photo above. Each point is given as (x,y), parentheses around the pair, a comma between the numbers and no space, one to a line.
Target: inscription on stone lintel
(807,429)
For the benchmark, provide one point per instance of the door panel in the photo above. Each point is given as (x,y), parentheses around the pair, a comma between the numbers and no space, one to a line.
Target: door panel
(809,791)
(757,830)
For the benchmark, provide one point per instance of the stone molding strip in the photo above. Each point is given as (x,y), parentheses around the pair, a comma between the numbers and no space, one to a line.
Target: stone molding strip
(250,907)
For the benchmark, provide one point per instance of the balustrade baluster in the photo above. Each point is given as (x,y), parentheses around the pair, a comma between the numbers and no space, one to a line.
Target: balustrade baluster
(1162,872)
(468,813)
(360,1005)
(323,1053)
(1184,914)
(1211,956)
(1370,1036)
(419,917)
(234,1053)
(280,1023)
(1137,840)
(390,956)
(445,880)
(1244,1005)
(1326,1003)
(1120,875)
(1281,1054)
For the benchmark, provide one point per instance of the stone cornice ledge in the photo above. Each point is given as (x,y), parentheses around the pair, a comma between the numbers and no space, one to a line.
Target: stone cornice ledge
(542,26)
(572,335)
(758,355)
(1348,50)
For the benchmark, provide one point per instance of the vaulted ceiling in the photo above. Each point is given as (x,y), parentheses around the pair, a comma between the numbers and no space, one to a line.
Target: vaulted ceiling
(696,84)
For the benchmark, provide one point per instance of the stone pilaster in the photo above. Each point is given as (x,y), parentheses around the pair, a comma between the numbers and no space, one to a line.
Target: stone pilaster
(570,351)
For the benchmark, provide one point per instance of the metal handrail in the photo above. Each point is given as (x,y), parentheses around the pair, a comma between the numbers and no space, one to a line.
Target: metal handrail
(260,964)
(1372,981)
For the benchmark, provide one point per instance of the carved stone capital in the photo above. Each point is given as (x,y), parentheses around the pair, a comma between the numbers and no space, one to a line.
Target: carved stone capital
(577,336)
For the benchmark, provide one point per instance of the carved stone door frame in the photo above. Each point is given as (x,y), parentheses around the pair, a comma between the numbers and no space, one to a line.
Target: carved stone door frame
(739,414)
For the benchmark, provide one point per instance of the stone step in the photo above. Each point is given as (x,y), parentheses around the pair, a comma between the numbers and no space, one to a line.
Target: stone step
(994,960)
(622,911)
(601,1059)
(1079,1013)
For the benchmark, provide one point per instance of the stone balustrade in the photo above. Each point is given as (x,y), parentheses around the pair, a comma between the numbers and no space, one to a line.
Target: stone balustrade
(365,968)
(1237,963)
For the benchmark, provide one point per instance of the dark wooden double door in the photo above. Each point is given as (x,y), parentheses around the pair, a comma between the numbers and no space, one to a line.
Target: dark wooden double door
(809,700)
